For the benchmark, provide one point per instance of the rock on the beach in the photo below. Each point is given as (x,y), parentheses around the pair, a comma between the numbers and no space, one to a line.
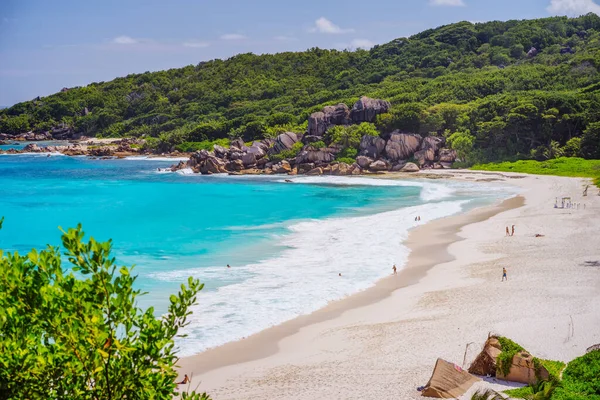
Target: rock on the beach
(220,151)
(410,167)
(303,168)
(213,166)
(379,165)
(283,167)
(317,157)
(447,156)
(315,171)
(366,109)
(283,142)
(32,148)
(249,160)
(424,157)
(398,166)
(433,142)
(364,161)
(371,146)
(234,165)
(401,146)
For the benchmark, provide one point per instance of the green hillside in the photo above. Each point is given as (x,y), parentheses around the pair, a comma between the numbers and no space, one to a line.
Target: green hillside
(481,85)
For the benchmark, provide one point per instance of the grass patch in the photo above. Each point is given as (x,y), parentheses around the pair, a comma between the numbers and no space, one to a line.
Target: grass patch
(188,147)
(520,393)
(564,166)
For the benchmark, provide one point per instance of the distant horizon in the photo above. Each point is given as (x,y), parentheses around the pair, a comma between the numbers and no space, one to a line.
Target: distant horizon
(98,43)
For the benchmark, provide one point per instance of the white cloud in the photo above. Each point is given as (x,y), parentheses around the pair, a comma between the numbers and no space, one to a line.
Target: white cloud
(573,7)
(285,38)
(362,44)
(233,36)
(453,3)
(125,40)
(196,44)
(323,25)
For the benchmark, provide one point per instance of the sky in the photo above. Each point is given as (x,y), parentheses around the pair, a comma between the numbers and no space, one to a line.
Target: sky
(47,45)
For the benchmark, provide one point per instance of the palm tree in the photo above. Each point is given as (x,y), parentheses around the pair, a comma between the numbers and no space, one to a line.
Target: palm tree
(543,390)
(486,395)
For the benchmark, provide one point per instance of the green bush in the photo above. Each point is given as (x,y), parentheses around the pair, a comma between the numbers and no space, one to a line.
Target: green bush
(189,147)
(76,331)
(581,378)
(346,160)
(286,154)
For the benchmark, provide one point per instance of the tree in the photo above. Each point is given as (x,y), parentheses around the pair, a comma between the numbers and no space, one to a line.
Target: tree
(462,142)
(76,332)
(590,141)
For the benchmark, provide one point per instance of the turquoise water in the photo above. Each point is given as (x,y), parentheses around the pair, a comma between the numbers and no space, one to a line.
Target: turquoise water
(286,242)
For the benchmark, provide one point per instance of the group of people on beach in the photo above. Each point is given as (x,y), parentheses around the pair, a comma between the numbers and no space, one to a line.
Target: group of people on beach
(417,218)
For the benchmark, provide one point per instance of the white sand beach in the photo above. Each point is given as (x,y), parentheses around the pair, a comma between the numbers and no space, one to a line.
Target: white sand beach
(383,343)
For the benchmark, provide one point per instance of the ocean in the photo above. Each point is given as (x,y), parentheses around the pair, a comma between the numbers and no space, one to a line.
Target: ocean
(286,242)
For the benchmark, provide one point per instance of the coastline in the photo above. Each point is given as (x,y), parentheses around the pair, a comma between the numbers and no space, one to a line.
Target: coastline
(439,233)
(346,338)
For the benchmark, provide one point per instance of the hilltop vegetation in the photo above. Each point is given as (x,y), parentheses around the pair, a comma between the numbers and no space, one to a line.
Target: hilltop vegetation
(496,90)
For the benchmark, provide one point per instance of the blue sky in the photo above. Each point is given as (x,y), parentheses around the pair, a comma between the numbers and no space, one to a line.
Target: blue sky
(46,45)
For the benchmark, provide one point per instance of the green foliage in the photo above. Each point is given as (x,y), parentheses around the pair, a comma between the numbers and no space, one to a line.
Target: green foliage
(486,395)
(463,143)
(459,77)
(76,332)
(590,141)
(286,154)
(520,393)
(581,379)
(319,145)
(350,136)
(204,145)
(509,349)
(563,166)
(346,160)
(572,148)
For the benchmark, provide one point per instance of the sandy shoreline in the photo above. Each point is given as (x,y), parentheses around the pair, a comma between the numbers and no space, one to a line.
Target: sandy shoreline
(383,342)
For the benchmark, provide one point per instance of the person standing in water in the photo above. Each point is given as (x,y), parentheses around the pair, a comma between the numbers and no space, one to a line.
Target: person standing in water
(228,266)
(504,277)
(394,269)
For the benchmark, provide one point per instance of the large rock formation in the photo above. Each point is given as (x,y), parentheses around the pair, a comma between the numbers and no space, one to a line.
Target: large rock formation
(318,157)
(371,146)
(433,142)
(401,146)
(379,165)
(285,141)
(319,122)
(366,109)
(424,157)
(447,155)
(410,167)
(364,161)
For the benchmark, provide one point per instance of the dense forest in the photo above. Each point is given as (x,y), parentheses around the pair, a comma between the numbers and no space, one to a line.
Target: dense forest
(496,90)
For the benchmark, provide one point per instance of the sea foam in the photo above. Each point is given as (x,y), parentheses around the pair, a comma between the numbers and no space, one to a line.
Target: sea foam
(304,276)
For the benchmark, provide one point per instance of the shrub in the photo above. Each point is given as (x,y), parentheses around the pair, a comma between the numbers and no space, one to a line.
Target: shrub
(76,332)
(581,378)
(204,145)
(291,153)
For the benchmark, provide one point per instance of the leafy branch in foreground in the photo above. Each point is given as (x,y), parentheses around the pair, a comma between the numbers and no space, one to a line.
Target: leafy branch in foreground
(78,333)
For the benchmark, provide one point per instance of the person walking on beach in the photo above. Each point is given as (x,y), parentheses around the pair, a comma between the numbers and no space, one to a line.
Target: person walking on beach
(394,268)
(507,231)
(513,231)
(504,277)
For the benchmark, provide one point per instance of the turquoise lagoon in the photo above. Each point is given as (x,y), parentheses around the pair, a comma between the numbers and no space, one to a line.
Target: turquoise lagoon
(286,242)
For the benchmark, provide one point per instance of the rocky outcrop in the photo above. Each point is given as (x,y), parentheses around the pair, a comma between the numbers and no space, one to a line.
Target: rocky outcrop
(447,156)
(285,141)
(410,167)
(249,160)
(237,143)
(380,165)
(364,161)
(283,167)
(371,146)
(433,142)
(366,109)
(424,157)
(401,146)
(319,122)
(101,151)
(318,157)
